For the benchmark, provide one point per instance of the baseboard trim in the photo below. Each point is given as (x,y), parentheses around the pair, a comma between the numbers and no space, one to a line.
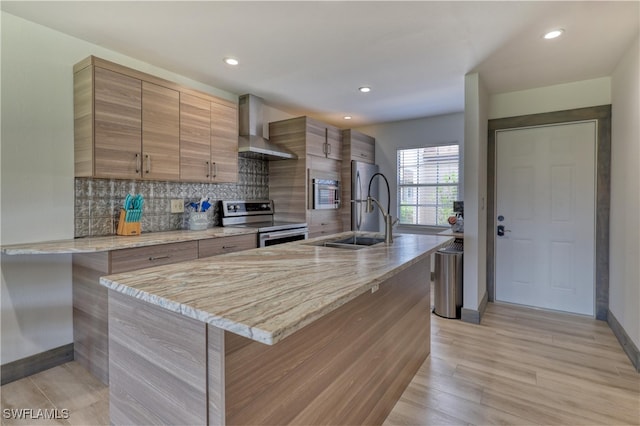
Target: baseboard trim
(33,364)
(473,316)
(625,341)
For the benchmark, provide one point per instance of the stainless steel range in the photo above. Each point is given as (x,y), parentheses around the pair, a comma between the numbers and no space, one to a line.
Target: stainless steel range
(260,215)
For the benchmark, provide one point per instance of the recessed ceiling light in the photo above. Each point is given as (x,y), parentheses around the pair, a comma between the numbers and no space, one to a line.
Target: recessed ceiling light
(554,34)
(231,61)
(347,117)
(365,89)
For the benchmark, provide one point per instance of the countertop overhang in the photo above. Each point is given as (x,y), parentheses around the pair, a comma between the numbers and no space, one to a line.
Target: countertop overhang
(269,293)
(115,242)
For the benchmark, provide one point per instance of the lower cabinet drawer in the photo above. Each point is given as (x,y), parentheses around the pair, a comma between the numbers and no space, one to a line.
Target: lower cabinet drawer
(324,222)
(145,257)
(216,246)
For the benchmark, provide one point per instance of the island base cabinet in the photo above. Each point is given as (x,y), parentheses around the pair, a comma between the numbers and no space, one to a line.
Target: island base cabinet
(348,367)
(157,365)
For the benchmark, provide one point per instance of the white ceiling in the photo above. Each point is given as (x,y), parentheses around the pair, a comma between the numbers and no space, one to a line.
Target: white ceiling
(310,57)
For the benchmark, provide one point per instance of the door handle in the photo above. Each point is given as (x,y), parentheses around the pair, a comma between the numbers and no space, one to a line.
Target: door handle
(501,230)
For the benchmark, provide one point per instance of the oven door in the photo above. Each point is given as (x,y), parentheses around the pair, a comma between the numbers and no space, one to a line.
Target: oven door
(266,239)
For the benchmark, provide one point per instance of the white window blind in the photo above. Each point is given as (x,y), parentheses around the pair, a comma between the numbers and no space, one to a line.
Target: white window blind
(427,184)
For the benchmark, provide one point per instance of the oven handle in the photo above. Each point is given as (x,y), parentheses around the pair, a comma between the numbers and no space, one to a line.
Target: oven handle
(280,234)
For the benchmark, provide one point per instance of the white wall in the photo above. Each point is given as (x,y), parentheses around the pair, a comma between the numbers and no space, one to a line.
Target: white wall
(416,133)
(559,97)
(36,178)
(624,246)
(475,191)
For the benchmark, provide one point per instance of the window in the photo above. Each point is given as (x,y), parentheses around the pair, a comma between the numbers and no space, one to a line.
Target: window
(427,184)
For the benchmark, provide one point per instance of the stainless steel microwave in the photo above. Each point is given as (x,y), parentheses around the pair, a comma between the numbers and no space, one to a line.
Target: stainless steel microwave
(324,190)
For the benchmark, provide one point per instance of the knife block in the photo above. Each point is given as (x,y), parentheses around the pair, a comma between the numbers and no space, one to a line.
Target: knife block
(127,228)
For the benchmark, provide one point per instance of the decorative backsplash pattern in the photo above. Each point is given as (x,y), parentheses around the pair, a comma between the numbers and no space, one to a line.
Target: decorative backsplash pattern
(98,201)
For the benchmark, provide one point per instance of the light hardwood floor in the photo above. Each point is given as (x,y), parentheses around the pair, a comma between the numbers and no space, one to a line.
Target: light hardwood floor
(520,367)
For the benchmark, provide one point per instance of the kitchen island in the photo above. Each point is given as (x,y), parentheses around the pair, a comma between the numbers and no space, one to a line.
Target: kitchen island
(295,333)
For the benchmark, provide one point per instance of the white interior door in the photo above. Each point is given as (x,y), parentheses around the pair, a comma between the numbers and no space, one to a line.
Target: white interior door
(545,204)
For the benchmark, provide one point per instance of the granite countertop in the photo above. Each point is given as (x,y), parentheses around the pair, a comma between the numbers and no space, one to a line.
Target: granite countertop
(452,233)
(116,242)
(269,293)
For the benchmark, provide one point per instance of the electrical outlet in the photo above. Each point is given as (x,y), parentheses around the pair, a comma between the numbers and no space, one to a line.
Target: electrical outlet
(177,206)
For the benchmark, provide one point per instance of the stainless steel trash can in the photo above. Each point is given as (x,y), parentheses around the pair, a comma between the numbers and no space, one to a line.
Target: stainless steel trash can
(448,282)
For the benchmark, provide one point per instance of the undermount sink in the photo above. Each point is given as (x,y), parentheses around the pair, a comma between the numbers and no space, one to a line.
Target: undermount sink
(359,241)
(354,242)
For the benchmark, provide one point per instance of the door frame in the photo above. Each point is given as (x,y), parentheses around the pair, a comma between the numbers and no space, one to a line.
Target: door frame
(602,115)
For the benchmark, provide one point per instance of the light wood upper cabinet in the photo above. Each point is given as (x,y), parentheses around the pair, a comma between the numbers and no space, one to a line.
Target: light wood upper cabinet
(334,143)
(208,140)
(132,125)
(322,140)
(195,138)
(224,143)
(358,146)
(160,132)
(117,106)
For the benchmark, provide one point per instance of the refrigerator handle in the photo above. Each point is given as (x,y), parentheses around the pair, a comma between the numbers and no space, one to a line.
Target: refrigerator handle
(358,199)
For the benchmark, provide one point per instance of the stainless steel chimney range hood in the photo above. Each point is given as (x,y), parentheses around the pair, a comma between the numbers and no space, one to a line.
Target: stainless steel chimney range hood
(251,143)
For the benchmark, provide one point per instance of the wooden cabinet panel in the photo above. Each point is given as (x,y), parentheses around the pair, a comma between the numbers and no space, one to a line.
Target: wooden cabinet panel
(289,179)
(145,257)
(316,137)
(224,143)
(358,146)
(83,122)
(160,132)
(334,143)
(216,246)
(156,356)
(118,124)
(324,222)
(195,138)
(323,140)
(131,125)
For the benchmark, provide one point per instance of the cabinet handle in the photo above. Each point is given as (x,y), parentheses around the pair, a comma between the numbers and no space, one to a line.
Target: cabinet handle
(208,169)
(148,158)
(138,165)
(152,258)
(228,247)
(362,154)
(328,148)
(215,170)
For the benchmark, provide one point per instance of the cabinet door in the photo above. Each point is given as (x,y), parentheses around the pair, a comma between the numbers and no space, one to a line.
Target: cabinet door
(316,138)
(160,132)
(224,143)
(362,147)
(118,125)
(195,138)
(333,147)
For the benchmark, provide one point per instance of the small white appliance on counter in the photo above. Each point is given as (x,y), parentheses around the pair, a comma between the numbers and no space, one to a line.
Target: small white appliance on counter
(258,214)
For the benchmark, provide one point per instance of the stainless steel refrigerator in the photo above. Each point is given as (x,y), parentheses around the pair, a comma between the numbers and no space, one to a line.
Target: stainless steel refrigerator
(361,174)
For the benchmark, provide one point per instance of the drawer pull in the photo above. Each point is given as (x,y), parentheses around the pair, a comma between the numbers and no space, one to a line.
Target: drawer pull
(152,258)
(228,247)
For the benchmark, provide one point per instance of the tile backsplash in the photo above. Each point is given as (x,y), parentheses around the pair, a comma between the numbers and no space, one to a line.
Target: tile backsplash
(98,201)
